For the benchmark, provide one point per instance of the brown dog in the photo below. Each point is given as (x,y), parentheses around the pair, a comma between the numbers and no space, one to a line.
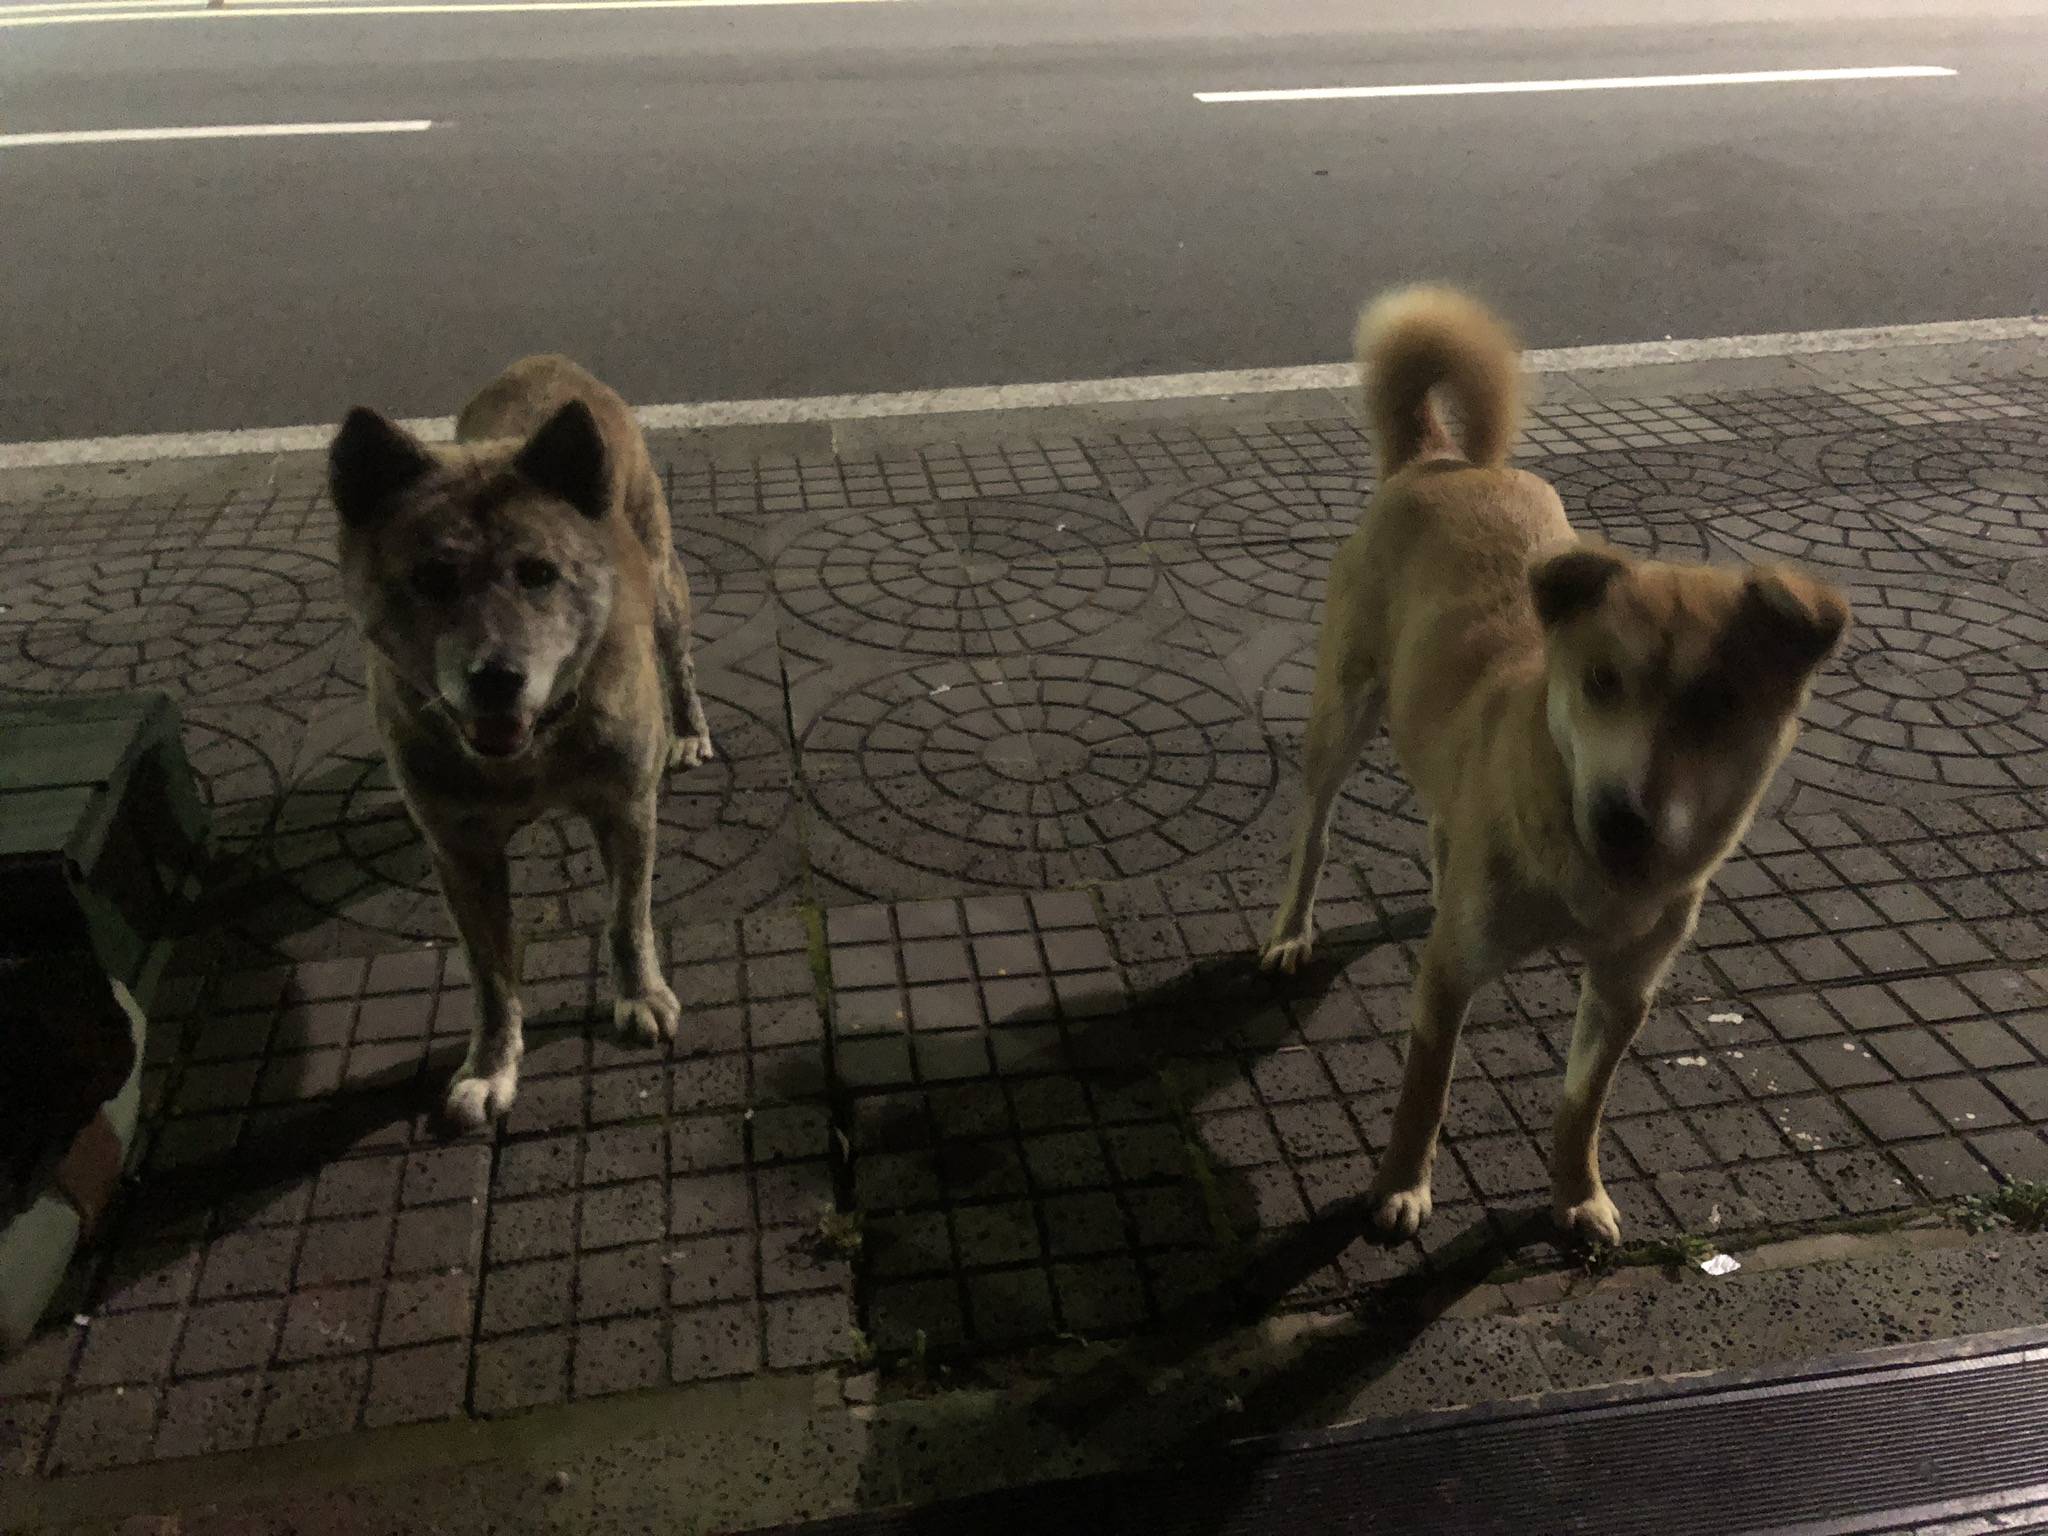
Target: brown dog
(528,628)
(1589,733)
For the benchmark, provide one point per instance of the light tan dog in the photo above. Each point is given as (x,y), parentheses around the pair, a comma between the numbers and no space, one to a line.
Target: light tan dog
(528,629)
(1589,733)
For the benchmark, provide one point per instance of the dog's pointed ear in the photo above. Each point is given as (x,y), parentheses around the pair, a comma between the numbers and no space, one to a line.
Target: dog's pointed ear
(1790,621)
(567,458)
(372,459)
(1573,580)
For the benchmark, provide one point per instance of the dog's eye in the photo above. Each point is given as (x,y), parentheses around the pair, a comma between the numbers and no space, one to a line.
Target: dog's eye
(1602,684)
(537,575)
(436,580)
(1705,707)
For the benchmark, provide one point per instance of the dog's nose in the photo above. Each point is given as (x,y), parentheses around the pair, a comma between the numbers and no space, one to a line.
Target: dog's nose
(495,688)
(1619,827)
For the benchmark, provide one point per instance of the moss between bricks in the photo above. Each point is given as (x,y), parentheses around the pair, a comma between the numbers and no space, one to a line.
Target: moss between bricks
(2020,1206)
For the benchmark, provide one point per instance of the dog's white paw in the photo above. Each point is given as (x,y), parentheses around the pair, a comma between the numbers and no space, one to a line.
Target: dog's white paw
(690,751)
(650,1018)
(1288,955)
(1401,1212)
(1594,1222)
(474,1102)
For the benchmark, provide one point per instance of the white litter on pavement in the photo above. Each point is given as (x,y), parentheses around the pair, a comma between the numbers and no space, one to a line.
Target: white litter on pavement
(1721,1264)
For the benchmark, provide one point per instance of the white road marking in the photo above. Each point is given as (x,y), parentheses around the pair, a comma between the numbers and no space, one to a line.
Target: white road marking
(220,131)
(332,10)
(33,6)
(810,410)
(1608,83)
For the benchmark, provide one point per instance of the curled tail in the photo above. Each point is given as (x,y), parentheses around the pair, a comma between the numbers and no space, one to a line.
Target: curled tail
(1411,341)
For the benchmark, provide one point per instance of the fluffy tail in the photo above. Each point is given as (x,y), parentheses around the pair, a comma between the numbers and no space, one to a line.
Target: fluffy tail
(1414,339)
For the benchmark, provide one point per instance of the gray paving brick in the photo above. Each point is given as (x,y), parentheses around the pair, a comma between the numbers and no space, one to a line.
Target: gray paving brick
(626,1355)
(108,1428)
(902,1311)
(1985,1044)
(420,1384)
(128,1347)
(622,1213)
(522,1372)
(420,1308)
(437,1238)
(206,1418)
(715,1341)
(2017,1154)
(1944,1170)
(336,1320)
(304,1402)
(811,1330)
(246,1263)
(707,1269)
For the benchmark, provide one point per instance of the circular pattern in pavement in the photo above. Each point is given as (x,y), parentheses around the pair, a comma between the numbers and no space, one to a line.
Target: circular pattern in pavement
(943,579)
(1068,762)
(1979,487)
(1658,502)
(347,848)
(1827,527)
(1261,543)
(1376,786)
(1941,686)
(198,623)
(236,777)
(727,583)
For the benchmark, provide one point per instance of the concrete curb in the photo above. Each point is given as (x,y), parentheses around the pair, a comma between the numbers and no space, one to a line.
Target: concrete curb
(863,422)
(735,1455)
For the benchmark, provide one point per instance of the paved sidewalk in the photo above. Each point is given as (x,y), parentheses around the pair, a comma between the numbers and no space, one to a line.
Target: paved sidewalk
(975,1060)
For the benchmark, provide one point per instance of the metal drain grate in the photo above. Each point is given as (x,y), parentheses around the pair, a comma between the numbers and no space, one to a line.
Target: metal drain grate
(1951,1438)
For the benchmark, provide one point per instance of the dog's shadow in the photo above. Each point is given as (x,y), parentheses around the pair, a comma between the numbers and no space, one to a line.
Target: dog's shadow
(279,869)
(1190,1039)
(1201,1375)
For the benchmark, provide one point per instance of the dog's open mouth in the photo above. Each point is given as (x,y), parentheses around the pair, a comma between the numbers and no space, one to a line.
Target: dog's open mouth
(498,735)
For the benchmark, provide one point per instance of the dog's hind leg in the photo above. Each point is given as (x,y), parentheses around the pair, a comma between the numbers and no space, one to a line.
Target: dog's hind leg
(679,668)
(1614,998)
(645,1011)
(1343,714)
(476,880)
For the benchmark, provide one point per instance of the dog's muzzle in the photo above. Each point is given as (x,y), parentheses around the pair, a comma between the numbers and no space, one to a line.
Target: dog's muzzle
(1622,835)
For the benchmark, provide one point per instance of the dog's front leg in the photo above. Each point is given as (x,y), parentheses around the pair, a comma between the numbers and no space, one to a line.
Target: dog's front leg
(646,1011)
(476,880)
(1443,993)
(1614,999)
(1611,1010)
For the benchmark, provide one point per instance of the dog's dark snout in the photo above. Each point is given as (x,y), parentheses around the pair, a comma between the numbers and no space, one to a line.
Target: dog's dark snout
(495,688)
(1620,828)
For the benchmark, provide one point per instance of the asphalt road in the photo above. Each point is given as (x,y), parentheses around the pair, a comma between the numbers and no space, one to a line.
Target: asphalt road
(745,202)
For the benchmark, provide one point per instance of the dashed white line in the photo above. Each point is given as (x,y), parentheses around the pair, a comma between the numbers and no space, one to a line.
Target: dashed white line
(216,131)
(31,7)
(335,11)
(1602,83)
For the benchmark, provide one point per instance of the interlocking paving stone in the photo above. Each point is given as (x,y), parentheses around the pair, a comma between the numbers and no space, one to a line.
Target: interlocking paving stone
(1042,707)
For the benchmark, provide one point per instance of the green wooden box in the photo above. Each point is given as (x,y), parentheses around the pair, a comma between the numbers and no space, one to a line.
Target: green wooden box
(101,827)
(101,836)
